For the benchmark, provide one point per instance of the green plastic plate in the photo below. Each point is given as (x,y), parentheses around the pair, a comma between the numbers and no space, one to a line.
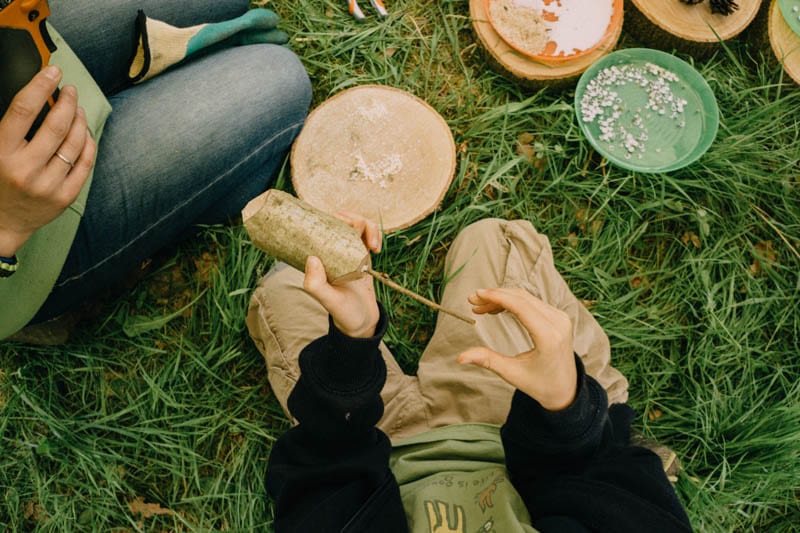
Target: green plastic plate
(792,17)
(667,141)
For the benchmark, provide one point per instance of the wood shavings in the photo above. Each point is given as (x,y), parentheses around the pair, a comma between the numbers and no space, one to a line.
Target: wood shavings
(374,111)
(521,24)
(379,172)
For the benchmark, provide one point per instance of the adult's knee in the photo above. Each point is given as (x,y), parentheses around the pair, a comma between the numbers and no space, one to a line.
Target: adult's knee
(279,75)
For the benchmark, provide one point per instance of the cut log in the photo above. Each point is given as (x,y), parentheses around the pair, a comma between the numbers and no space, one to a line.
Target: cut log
(523,70)
(784,41)
(376,151)
(692,29)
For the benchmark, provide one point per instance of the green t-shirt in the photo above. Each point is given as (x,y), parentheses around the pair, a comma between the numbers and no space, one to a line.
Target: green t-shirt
(454,480)
(42,256)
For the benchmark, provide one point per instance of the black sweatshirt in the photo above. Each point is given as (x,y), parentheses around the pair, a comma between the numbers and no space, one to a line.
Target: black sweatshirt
(572,468)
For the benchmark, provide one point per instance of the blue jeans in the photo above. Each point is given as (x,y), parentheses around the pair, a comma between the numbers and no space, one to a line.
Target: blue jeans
(190,146)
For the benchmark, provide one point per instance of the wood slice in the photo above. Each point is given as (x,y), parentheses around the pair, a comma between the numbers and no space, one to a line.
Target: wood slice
(672,24)
(524,70)
(376,151)
(785,42)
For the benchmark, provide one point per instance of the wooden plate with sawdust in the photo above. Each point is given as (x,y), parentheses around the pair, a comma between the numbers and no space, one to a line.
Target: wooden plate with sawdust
(377,151)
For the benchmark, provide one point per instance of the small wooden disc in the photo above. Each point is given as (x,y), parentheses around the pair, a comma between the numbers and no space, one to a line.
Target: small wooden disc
(523,69)
(785,42)
(376,151)
(668,24)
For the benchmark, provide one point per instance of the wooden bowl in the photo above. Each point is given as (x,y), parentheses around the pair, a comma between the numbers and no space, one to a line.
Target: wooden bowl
(548,56)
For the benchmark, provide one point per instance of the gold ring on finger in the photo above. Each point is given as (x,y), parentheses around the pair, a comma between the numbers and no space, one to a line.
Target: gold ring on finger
(65,159)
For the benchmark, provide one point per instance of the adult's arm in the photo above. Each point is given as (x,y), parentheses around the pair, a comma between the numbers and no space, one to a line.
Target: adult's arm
(331,471)
(36,184)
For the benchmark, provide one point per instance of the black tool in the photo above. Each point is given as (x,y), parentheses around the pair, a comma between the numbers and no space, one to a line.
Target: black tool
(25,48)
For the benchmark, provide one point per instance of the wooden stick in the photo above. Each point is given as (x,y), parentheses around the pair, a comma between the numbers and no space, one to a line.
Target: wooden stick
(383,278)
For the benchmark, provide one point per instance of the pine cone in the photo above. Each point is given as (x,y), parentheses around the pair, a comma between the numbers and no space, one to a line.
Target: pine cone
(723,7)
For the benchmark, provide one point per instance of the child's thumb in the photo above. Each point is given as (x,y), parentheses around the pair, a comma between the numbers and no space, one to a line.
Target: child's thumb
(483,357)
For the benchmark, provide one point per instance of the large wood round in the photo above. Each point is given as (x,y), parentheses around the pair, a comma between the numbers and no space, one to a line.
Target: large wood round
(785,42)
(376,151)
(668,24)
(523,69)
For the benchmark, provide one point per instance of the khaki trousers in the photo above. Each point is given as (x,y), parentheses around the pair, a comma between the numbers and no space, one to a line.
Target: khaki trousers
(283,319)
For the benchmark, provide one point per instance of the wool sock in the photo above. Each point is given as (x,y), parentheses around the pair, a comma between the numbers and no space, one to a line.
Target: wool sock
(162,45)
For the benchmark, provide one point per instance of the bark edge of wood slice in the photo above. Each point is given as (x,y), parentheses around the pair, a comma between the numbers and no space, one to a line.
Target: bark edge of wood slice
(784,41)
(692,29)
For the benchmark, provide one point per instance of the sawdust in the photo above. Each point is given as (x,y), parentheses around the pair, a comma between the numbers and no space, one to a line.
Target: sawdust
(379,172)
(521,25)
(374,111)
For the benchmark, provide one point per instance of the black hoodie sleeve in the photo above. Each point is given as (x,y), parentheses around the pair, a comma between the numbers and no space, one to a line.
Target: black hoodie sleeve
(576,472)
(331,472)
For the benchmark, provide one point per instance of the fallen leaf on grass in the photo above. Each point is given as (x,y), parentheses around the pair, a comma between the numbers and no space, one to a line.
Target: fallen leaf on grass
(588,304)
(391,51)
(204,266)
(690,236)
(526,149)
(524,146)
(584,217)
(764,250)
(654,414)
(572,239)
(34,512)
(147,510)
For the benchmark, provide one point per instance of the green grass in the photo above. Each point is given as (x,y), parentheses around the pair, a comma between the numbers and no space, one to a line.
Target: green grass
(162,398)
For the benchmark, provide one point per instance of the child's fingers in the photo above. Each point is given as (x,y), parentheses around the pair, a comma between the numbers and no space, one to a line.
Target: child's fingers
(369,231)
(501,365)
(533,313)
(481,306)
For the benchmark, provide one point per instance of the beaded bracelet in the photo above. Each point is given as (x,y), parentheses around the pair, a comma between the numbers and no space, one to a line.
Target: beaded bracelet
(8,265)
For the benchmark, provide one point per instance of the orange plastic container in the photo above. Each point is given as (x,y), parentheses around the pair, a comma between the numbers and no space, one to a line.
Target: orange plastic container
(548,56)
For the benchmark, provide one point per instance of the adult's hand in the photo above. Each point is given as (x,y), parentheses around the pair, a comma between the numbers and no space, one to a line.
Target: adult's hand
(36,185)
(352,304)
(546,372)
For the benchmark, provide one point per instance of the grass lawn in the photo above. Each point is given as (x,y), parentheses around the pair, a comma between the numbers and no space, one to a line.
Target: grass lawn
(157,416)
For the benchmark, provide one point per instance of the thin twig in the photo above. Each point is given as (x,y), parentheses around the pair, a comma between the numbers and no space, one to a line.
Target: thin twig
(763,215)
(383,278)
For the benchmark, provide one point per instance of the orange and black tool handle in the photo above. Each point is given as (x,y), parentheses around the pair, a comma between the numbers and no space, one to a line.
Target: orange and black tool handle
(25,48)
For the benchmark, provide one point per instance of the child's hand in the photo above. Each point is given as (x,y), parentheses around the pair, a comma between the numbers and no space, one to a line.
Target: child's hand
(547,372)
(351,304)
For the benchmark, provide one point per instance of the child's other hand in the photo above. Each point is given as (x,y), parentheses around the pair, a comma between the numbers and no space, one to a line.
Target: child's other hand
(352,304)
(547,372)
